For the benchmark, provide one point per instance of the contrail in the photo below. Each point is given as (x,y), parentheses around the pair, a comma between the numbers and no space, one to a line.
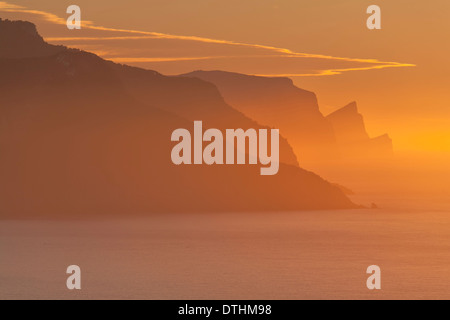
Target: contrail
(377,64)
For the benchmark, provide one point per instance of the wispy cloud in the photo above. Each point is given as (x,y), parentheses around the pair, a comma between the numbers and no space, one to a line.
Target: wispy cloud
(331,72)
(164,59)
(50,17)
(172,59)
(139,34)
(68,39)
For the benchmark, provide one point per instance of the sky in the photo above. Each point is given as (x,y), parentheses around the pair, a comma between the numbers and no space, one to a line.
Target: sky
(398,75)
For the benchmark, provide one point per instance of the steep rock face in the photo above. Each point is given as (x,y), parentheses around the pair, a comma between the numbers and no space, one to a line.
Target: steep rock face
(348,124)
(355,143)
(382,146)
(192,99)
(278,103)
(76,140)
(317,140)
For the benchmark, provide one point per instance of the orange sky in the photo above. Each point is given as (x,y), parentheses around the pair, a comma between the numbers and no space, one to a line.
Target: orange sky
(400,73)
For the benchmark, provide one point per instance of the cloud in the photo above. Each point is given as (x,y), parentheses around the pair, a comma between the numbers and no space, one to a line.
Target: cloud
(138,34)
(68,39)
(164,59)
(331,72)
(50,17)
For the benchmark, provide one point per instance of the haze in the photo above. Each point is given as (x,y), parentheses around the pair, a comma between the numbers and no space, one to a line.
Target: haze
(409,102)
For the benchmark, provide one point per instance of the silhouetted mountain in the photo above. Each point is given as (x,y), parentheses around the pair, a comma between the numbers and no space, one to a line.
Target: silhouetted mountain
(351,134)
(20,39)
(382,145)
(194,99)
(278,103)
(83,136)
(348,124)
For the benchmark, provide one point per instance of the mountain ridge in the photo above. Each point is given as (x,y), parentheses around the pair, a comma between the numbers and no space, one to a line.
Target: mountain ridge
(278,103)
(350,130)
(87,140)
(317,140)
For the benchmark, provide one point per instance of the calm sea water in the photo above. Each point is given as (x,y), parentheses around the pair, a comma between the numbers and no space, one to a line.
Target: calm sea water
(295,255)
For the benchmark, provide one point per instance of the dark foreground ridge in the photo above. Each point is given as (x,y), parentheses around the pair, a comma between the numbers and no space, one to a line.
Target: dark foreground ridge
(81,136)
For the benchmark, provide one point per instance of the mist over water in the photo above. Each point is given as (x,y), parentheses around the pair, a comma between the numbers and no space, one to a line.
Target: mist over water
(290,255)
(66,157)
(277,255)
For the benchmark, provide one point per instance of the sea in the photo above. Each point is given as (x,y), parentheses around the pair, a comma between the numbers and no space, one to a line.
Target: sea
(266,255)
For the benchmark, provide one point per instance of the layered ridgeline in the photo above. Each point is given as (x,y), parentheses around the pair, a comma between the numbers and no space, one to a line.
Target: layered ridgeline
(277,102)
(83,136)
(352,137)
